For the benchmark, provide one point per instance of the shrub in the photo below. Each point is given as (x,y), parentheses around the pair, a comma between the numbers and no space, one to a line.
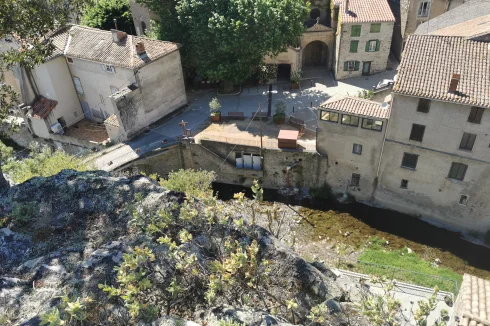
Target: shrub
(322,193)
(365,94)
(296,76)
(191,182)
(23,213)
(215,106)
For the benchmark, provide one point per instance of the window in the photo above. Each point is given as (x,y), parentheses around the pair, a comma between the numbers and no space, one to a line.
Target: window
(457,171)
(355,180)
(350,120)
(375,28)
(114,90)
(69,60)
(417,133)
(62,122)
(108,68)
(78,85)
(330,116)
(475,115)
(463,200)
(410,161)
(424,105)
(404,184)
(353,46)
(143,28)
(467,141)
(355,31)
(424,8)
(372,46)
(351,65)
(357,149)
(372,124)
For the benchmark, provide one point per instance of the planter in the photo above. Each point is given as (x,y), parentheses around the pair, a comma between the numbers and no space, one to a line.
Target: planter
(294,85)
(216,118)
(279,120)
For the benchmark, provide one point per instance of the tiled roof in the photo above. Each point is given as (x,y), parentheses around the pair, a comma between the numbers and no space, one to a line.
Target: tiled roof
(471,28)
(356,105)
(41,107)
(474,308)
(366,11)
(97,45)
(112,121)
(429,61)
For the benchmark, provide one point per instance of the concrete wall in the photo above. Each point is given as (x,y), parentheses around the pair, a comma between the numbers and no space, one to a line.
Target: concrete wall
(437,8)
(378,59)
(140,13)
(336,141)
(160,91)
(97,83)
(430,192)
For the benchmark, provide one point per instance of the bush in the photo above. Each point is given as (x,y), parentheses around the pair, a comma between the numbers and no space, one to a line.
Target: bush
(23,213)
(322,193)
(101,14)
(193,183)
(215,106)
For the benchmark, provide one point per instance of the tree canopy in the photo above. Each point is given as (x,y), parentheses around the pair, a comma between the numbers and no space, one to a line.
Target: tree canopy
(230,38)
(103,12)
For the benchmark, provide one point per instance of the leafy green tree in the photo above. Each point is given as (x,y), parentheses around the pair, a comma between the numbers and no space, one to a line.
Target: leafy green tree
(103,12)
(229,38)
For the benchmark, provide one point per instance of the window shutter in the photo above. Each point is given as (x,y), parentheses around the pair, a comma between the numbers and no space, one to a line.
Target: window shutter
(367,46)
(356,65)
(378,43)
(353,46)
(346,66)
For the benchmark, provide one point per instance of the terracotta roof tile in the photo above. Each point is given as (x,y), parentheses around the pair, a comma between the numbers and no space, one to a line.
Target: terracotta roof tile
(475,301)
(366,11)
(97,45)
(470,29)
(429,61)
(356,105)
(112,121)
(41,107)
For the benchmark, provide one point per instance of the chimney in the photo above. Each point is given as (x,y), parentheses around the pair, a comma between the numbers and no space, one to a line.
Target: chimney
(346,9)
(118,36)
(140,48)
(454,83)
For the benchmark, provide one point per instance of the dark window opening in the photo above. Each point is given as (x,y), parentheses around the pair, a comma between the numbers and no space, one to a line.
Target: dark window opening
(404,184)
(143,28)
(417,132)
(355,180)
(70,60)
(315,13)
(475,115)
(424,105)
(467,141)
(410,161)
(357,149)
(458,171)
(62,122)
(463,200)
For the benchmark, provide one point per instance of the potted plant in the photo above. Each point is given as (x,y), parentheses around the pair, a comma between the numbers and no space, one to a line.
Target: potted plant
(295,78)
(279,116)
(214,107)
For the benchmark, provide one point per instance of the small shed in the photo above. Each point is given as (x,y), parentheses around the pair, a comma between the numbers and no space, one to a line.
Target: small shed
(288,139)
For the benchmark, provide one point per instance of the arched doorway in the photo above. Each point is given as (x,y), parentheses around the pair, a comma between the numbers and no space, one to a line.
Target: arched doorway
(315,54)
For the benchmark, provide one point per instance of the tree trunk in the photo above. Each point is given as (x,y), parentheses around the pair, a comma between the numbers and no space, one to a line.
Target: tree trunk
(227,86)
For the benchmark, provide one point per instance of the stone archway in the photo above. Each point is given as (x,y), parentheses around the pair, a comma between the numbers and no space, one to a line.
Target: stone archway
(315,55)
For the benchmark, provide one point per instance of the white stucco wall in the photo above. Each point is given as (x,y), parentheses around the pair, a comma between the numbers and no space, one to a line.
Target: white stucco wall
(430,192)
(378,59)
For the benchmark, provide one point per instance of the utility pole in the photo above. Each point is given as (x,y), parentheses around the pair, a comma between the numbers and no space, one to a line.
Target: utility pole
(260,116)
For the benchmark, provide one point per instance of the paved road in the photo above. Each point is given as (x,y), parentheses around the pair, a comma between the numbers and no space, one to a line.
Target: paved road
(315,88)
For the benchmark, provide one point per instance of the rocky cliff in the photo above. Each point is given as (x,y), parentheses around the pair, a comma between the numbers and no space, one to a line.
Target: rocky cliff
(62,237)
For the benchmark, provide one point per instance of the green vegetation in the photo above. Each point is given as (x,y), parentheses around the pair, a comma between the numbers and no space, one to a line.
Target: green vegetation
(102,13)
(71,310)
(378,260)
(22,213)
(322,193)
(215,106)
(280,112)
(193,183)
(43,162)
(365,94)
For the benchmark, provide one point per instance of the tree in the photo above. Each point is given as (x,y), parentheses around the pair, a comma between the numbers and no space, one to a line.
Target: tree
(103,12)
(230,38)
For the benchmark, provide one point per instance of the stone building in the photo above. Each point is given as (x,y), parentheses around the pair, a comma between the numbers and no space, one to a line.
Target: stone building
(95,76)
(350,133)
(363,40)
(436,159)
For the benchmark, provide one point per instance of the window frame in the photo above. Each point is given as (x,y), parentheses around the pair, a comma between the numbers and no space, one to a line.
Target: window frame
(350,118)
(374,124)
(355,176)
(477,114)
(416,156)
(412,135)
(70,60)
(351,65)
(457,166)
(355,27)
(426,12)
(465,144)
(358,146)
(74,78)
(404,184)
(424,104)
(329,112)
(465,201)
(376,30)
(377,45)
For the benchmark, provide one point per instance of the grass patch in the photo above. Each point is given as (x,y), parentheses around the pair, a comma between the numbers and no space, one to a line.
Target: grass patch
(377,259)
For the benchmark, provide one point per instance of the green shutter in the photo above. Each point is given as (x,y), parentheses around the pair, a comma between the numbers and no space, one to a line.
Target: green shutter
(356,65)
(375,28)
(378,43)
(353,46)
(367,46)
(355,30)
(346,66)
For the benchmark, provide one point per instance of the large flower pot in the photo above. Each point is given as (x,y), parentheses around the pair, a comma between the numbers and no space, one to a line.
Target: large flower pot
(294,85)
(279,120)
(216,118)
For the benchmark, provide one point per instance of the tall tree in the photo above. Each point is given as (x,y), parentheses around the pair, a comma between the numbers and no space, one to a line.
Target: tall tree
(229,38)
(28,24)
(103,12)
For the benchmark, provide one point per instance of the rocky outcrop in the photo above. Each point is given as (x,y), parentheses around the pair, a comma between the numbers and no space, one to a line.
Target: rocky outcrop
(80,232)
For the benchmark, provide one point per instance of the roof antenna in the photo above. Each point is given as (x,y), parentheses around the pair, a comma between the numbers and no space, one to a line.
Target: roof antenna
(115,22)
